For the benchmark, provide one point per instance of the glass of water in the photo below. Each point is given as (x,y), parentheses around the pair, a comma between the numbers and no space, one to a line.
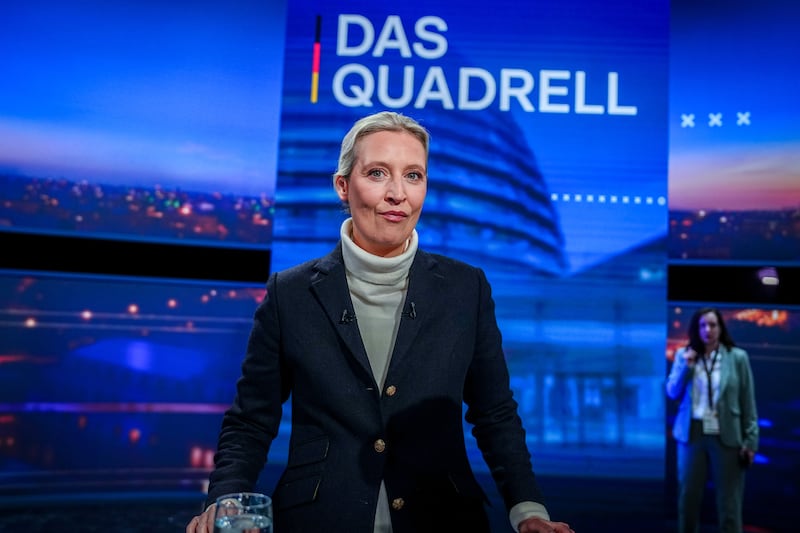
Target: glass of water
(243,512)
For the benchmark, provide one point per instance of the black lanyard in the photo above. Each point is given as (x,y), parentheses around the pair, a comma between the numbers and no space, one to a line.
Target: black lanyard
(708,375)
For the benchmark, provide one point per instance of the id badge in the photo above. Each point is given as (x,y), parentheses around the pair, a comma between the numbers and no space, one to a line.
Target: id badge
(711,424)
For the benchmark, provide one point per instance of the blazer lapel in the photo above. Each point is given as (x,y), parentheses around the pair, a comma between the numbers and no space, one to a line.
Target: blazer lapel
(329,284)
(421,299)
(726,365)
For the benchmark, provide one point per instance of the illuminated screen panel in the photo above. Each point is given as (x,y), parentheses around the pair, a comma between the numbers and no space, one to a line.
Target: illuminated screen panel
(734,182)
(771,336)
(548,168)
(139,120)
(115,384)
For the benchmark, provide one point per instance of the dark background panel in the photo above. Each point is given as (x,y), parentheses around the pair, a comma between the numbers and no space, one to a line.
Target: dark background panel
(733,283)
(39,252)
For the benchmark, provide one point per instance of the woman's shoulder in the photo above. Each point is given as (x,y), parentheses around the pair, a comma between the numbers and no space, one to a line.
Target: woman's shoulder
(446,262)
(737,352)
(303,271)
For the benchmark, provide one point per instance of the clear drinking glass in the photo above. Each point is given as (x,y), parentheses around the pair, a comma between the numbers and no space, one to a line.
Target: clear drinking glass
(243,512)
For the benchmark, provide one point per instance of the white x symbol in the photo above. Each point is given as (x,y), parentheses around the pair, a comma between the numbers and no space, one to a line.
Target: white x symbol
(714,119)
(687,121)
(743,118)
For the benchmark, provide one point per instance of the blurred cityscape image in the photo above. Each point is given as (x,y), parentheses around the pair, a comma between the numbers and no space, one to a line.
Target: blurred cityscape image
(151,213)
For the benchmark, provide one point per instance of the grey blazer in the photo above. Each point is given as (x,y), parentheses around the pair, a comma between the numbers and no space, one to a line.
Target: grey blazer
(347,435)
(736,407)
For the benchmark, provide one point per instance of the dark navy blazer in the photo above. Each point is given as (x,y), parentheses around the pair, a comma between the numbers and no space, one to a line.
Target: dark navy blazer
(347,435)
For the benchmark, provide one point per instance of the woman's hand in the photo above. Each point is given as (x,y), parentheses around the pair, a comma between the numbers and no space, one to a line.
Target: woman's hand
(540,525)
(203,523)
(746,457)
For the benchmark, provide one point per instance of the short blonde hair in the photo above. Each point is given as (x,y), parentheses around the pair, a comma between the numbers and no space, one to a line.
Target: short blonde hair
(382,121)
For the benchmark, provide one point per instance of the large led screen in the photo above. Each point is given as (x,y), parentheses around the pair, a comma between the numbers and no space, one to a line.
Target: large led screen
(734,180)
(141,120)
(548,169)
(115,384)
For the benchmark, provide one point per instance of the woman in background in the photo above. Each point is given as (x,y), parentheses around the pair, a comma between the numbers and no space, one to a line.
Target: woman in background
(716,426)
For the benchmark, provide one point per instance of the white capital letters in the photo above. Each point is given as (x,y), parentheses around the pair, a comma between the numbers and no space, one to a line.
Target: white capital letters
(383,87)
(420,29)
(613,98)
(342,48)
(483,102)
(521,93)
(435,77)
(546,91)
(362,94)
(392,27)
(580,97)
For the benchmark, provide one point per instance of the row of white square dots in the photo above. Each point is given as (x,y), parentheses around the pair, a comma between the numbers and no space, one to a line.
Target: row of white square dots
(608,199)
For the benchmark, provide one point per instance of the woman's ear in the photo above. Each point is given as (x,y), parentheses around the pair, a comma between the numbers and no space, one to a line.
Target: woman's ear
(340,184)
